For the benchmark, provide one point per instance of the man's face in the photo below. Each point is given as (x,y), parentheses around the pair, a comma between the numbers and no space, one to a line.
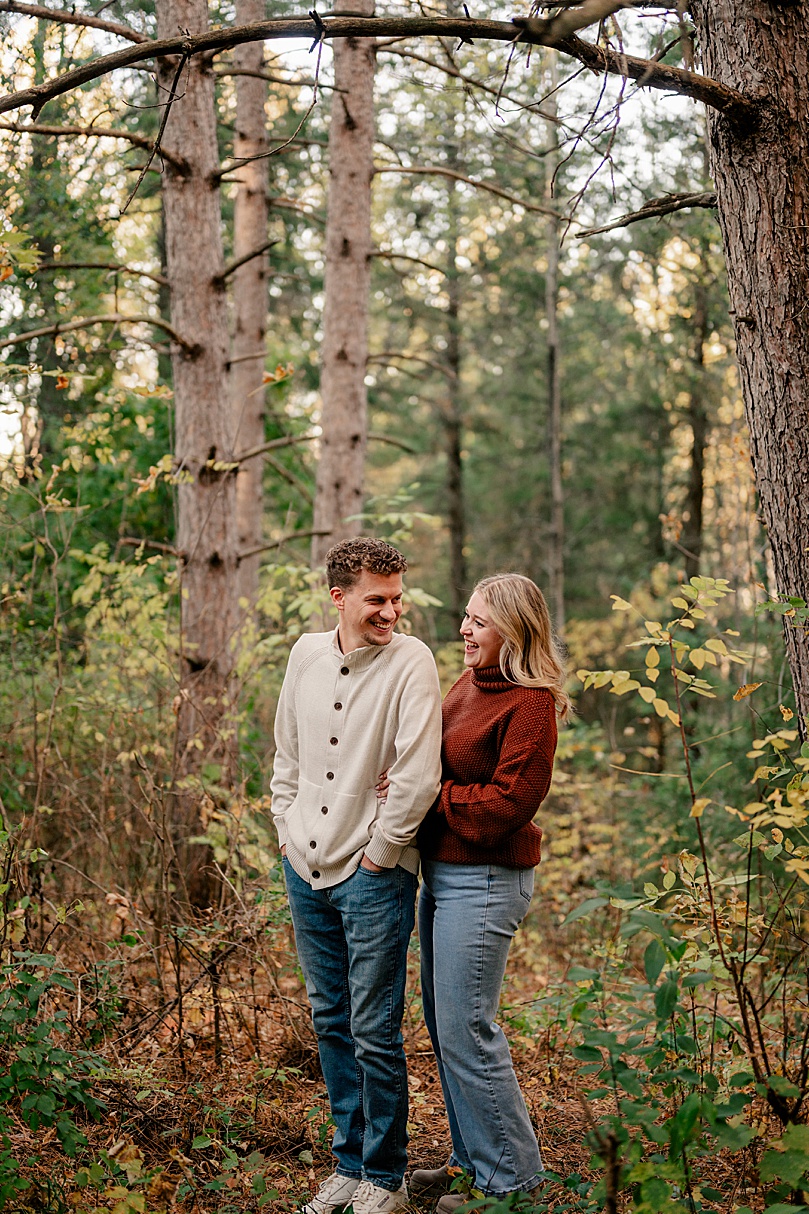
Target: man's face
(369,610)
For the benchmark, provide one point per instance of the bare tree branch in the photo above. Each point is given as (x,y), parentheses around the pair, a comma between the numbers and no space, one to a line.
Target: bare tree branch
(112,318)
(63,17)
(289,440)
(438,170)
(655,207)
(133,541)
(101,265)
(234,265)
(522,29)
(419,261)
(279,543)
(99,132)
(648,74)
(389,356)
(572,19)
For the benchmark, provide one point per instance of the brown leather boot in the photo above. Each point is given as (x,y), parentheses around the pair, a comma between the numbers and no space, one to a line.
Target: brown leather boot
(433,1182)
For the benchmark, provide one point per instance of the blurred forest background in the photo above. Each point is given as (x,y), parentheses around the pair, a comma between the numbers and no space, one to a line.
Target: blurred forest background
(533,396)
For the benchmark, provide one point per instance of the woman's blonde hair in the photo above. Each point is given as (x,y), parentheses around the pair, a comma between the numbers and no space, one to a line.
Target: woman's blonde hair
(530,654)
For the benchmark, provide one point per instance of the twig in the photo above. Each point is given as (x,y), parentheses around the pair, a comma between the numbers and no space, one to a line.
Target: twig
(666,205)
(115,266)
(279,543)
(166,111)
(439,171)
(67,18)
(240,261)
(113,318)
(99,132)
(134,541)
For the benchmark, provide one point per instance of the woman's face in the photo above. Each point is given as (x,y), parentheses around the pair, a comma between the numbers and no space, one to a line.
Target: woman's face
(482,641)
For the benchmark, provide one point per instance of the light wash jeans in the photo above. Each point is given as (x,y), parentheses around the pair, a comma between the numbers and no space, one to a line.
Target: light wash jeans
(468,914)
(352,944)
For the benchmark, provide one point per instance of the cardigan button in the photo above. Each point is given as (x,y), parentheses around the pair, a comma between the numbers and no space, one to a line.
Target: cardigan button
(338,706)
(333,741)
(329,775)
(312,843)
(315,874)
(343,670)
(324,809)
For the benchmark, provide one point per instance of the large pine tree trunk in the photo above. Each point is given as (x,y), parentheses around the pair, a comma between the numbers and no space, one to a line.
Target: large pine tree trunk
(206,531)
(452,414)
(762,185)
(556,528)
(344,353)
(250,214)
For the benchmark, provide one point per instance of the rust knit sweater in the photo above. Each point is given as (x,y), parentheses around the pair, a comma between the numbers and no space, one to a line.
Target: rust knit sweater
(497,754)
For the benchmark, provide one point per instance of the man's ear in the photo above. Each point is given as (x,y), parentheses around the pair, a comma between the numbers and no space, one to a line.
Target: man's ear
(336,595)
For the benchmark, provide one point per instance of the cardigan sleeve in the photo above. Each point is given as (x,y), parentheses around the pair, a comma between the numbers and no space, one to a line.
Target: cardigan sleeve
(286,769)
(488,814)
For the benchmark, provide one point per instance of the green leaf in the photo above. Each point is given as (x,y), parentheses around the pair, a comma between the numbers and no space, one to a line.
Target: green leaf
(698,978)
(585,908)
(786,1166)
(654,958)
(665,999)
(201,1142)
(784,1087)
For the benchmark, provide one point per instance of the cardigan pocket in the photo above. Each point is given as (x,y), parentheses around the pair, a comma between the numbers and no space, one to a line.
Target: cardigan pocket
(328,826)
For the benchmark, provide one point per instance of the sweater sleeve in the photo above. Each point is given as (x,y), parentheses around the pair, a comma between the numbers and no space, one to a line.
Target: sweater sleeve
(286,767)
(415,773)
(488,814)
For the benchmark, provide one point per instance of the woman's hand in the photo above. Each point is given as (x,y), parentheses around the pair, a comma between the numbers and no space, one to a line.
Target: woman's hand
(382,786)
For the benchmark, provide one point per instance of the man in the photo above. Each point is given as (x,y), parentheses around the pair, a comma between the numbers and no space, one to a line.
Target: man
(355,702)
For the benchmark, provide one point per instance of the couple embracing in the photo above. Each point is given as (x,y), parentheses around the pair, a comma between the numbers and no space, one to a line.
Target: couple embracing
(372,776)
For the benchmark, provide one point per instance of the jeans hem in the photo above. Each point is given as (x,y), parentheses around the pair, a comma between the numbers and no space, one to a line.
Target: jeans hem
(385,1182)
(339,1171)
(525,1187)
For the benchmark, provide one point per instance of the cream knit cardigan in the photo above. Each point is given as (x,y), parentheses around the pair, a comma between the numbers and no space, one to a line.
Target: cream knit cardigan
(342,719)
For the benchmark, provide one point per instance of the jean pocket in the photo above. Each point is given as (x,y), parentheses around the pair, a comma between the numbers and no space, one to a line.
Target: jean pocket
(527,883)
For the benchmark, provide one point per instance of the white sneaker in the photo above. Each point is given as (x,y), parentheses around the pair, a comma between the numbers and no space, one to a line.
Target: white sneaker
(370,1199)
(335,1192)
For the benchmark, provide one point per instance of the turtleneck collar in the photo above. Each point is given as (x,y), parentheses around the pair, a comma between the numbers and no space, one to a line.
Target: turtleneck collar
(490,678)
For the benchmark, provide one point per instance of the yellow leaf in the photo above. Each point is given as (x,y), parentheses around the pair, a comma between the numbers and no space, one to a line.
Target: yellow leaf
(652,657)
(661,708)
(699,807)
(653,627)
(786,713)
(746,690)
(697,658)
(620,689)
(647,694)
(619,604)
(651,673)
(763,773)
(6,272)
(581,675)
(717,645)
(687,624)
(680,603)
(673,717)
(602,678)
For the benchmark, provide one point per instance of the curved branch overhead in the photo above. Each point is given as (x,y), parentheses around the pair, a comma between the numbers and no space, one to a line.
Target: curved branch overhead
(527,30)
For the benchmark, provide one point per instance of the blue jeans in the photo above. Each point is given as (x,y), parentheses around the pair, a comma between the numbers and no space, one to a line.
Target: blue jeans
(468,914)
(352,944)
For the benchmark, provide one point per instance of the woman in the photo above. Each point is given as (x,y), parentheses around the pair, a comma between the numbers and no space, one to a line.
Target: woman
(478,849)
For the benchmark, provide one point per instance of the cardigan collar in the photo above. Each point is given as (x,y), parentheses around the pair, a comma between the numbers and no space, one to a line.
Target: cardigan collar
(490,678)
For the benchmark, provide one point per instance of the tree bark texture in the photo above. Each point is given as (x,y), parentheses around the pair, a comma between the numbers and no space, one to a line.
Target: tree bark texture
(344,353)
(206,495)
(762,185)
(250,217)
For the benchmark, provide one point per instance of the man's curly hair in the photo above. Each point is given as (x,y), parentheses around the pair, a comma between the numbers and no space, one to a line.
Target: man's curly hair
(345,561)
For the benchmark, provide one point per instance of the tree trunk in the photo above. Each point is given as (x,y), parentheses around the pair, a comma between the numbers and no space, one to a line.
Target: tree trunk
(556,529)
(206,495)
(250,217)
(762,185)
(452,416)
(344,355)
